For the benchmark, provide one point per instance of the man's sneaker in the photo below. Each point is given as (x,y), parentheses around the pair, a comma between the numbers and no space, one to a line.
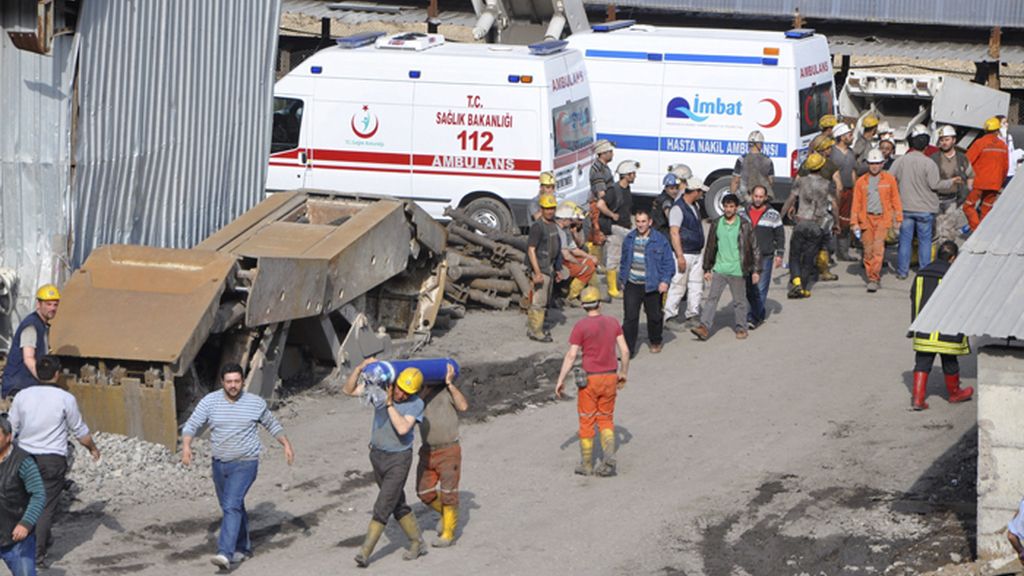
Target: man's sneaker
(701,332)
(751,325)
(741,334)
(655,348)
(872,286)
(691,322)
(239,557)
(221,561)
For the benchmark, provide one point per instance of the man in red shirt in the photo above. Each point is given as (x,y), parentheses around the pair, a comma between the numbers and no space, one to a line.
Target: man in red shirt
(989,157)
(598,336)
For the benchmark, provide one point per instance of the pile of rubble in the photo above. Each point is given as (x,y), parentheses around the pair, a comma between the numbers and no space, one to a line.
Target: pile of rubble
(133,471)
(485,268)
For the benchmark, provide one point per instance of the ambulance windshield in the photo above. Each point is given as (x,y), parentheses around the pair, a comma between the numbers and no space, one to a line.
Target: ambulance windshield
(287,121)
(815,101)
(573,128)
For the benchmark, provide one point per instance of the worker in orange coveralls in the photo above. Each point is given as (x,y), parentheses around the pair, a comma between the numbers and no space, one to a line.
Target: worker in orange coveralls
(989,157)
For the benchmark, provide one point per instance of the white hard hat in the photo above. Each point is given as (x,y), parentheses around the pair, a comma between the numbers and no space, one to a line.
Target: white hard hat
(682,171)
(946,130)
(919,129)
(603,146)
(756,137)
(696,183)
(565,212)
(884,128)
(841,129)
(627,167)
(875,156)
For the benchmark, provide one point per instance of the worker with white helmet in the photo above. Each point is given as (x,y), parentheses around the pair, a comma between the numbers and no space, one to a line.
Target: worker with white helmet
(951,162)
(578,266)
(845,160)
(876,208)
(990,157)
(686,234)
(752,169)
(616,208)
(601,179)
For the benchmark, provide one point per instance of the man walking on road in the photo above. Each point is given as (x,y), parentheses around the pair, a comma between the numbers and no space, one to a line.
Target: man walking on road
(990,157)
(616,220)
(732,254)
(926,346)
(663,202)
(598,337)
(543,251)
(646,268)
(845,160)
(440,466)
(24,497)
(812,199)
(233,416)
(391,438)
(41,417)
(876,204)
(686,233)
(31,342)
(601,179)
(771,240)
(752,169)
(951,162)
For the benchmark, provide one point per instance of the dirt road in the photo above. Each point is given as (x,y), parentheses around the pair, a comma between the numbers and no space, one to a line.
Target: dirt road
(792,452)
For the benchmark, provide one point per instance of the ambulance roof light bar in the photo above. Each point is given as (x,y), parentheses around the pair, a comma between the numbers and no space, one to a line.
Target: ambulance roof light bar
(548,47)
(613,25)
(358,40)
(799,33)
(410,41)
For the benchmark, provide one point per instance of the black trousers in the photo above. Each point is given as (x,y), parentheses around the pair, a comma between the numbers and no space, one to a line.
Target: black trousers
(804,245)
(53,468)
(635,296)
(923,363)
(390,470)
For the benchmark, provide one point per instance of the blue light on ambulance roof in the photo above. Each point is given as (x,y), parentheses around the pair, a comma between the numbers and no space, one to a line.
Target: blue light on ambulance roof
(800,33)
(316,69)
(357,40)
(548,47)
(514,79)
(613,25)
(414,74)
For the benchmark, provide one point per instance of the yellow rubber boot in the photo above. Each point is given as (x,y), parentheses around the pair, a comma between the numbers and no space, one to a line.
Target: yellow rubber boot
(535,326)
(607,467)
(435,504)
(575,287)
(417,547)
(450,517)
(373,533)
(598,253)
(613,284)
(796,290)
(824,273)
(586,465)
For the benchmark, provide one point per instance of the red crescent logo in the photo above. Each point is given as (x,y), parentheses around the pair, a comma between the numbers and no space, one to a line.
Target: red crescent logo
(365,135)
(778,113)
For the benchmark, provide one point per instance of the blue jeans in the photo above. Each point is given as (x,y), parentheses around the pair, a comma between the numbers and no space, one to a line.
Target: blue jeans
(757,296)
(20,557)
(921,224)
(232,481)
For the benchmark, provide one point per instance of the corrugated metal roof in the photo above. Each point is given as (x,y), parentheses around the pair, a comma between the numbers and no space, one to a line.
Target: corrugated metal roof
(175,118)
(919,50)
(408,14)
(980,13)
(983,292)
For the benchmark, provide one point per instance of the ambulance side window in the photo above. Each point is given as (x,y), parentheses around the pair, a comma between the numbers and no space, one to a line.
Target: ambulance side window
(573,127)
(287,122)
(815,102)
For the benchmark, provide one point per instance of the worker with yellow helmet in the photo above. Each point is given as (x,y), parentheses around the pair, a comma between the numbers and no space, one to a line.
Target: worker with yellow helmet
(391,439)
(31,342)
(812,200)
(542,250)
(577,265)
(826,123)
(990,157)
(547,187)
(867,137)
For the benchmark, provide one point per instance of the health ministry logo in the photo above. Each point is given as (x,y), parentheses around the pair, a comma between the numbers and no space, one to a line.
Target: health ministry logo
(365,124)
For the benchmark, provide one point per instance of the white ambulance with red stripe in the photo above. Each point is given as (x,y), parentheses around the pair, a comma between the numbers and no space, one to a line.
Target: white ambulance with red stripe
(443,124)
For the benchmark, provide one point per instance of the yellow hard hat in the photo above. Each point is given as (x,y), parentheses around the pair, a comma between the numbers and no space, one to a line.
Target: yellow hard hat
(47,292)
(993,124)
(578,214)
(548,201)
(870,121)
(410,380)
(814,162)
(827,121)
(590,295)
(547,179)
(822,143)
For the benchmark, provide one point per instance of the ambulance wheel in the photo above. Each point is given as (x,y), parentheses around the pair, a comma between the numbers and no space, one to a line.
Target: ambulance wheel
(491,213)
(713,198)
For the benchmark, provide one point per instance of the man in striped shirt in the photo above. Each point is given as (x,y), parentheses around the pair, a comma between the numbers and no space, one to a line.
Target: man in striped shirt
(232,415)
(22,497)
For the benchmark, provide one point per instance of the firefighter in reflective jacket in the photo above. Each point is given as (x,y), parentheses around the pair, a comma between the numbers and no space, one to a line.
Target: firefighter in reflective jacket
(926,346)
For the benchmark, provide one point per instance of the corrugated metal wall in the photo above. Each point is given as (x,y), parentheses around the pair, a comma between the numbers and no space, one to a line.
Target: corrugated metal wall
(35,115)
(175,124)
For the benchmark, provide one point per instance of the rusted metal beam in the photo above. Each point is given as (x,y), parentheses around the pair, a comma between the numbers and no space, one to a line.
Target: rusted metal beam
(495,285)
(995,39)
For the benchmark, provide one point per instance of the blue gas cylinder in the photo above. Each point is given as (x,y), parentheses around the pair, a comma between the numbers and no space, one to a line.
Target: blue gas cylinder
(384,372)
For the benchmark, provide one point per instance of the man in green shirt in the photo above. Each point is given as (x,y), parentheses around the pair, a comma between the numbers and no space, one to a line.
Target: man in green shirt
(729,257)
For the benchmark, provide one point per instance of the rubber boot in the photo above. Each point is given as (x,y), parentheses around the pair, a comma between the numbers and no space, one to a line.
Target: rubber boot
(824,274)
(796,290)
(417,547)
(586,465)
(575,287)
(535,323)
(957,394)
(435,504)
(613,284)
(920,391)
(598,253)
(450,518)
(373,533)
(843,249)
(607,467)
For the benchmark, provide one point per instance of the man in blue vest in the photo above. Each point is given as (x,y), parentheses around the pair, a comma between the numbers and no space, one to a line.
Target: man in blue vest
(31,342)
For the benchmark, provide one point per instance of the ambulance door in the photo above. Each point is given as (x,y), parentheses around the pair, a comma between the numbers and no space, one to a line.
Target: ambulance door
(289,144)
(362,137)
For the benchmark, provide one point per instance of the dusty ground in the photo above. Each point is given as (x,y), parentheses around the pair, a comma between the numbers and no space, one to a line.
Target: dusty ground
(792,452)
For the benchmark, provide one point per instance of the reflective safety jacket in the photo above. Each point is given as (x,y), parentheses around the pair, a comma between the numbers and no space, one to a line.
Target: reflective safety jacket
(927,280)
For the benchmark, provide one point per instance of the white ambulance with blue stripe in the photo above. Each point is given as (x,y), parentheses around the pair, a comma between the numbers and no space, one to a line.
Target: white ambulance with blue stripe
(665,96)
(443,124)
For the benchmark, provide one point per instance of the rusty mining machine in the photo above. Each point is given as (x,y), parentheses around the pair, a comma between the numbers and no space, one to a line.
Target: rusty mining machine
(142,331)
